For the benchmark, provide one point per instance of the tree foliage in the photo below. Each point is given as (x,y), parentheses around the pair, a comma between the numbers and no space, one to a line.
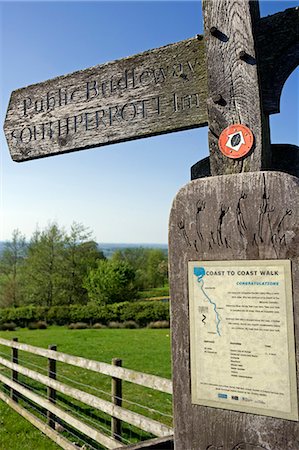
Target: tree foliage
(67,268)
(43,274)
(50,269)
(150,265)
(11,261)
(81,255)
(112,281)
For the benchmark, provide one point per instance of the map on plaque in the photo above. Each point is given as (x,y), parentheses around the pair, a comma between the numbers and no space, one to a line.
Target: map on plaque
(242,337)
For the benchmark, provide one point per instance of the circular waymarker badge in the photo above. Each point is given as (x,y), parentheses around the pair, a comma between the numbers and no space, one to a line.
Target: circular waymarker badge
(236,141)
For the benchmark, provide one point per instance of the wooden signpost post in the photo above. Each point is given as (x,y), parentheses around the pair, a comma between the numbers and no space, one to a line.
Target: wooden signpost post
(233,248)
(233,233)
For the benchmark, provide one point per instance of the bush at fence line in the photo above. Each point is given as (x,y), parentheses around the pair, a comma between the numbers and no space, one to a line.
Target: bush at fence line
(92,313)
(130,324)
(159,324)
(98,326)
(141,312)
(115,325)
(146,312)
(24,315)
(8,326)
(40,325)
(78,326)
(59,315)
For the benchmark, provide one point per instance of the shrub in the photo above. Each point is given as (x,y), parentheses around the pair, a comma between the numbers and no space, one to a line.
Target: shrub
(91,313)
(141,312)
(130,324)
(159,324)
(59,315)
(115,325)
(10,326)
(78,326)
(40,325)
(98,326)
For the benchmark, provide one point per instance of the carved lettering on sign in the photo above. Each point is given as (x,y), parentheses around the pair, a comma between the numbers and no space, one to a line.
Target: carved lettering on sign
(89,120)
(155,92)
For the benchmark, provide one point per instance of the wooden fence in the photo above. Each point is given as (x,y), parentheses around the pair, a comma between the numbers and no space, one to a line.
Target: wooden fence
(56,414)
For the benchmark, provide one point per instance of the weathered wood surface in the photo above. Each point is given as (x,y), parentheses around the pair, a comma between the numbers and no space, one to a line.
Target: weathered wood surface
(155,92)
(116,397)
(50,391)
(278,54)
(143,379)
(285,158)
(233,85)
(142,422)
(94,434)
(56,437)
(237,217)
(14,373)
(165,443)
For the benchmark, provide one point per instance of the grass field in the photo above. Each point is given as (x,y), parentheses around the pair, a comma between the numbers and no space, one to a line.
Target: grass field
(144,350)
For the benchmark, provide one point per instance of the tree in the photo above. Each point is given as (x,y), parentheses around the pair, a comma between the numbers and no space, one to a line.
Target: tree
(112,281)
(157,268)
(137,258)
(82,255)
(11,261)
(43,273)
(150,265)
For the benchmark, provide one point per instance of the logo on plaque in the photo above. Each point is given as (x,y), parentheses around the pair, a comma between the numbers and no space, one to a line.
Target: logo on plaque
(236,141)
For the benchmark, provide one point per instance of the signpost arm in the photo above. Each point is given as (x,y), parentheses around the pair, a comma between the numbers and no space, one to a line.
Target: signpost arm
(234,95)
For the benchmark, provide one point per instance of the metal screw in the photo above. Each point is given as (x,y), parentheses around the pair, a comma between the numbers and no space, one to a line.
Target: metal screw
(243,55)
(214,31)
(62,141)
(217,98)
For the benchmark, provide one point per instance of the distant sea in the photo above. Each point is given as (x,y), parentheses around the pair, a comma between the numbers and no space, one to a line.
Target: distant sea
(110,248)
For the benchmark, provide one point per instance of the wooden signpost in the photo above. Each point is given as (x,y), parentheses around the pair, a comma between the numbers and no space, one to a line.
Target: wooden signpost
(233,249)
(233,232)
(152,93)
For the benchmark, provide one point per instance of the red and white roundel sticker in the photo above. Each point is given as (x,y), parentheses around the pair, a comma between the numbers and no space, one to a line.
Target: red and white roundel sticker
(236,141)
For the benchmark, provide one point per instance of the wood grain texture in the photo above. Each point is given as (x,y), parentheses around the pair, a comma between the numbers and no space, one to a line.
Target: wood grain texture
(152,444)
(155,92)
(238,217)
(284,158)
(236,80)
(278,54)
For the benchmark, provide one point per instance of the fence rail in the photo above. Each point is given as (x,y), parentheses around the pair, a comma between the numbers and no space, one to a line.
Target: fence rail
(143,379)
(114,408)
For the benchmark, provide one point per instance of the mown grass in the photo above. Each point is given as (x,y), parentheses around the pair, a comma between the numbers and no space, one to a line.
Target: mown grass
(144,350)
(154,293)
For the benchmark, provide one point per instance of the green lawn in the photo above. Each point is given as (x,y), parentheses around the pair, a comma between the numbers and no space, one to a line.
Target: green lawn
(145,350)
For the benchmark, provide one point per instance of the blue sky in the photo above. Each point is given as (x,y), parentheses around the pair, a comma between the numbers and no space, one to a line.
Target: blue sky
(123,192)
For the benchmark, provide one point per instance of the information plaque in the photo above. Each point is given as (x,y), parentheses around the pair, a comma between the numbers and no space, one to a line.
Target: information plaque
(242,337)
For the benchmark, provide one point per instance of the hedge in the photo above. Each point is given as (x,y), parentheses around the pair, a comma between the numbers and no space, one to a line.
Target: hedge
(142,312)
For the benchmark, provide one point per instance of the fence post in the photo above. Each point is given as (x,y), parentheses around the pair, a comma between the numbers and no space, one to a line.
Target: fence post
(14,373)
(116,393)
(51,392)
